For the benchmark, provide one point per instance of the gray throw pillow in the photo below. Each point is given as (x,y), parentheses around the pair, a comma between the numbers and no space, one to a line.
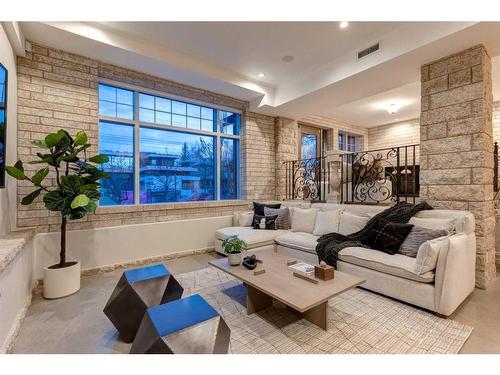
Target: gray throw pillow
(417,237)
(283,220)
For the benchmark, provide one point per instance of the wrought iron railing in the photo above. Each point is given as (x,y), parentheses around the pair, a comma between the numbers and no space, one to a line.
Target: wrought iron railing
(306,179)
(380,176)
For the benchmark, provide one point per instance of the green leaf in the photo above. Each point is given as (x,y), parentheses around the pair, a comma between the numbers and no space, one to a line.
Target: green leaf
(99,159)
(40,175)
(93,194)
(53,139)
(28,199)
(19,165)
(77,213)
(91,207)
(70,184)
(14,172)
(84,188)
(80,138)
(39,143)
(80,201)
(54,200)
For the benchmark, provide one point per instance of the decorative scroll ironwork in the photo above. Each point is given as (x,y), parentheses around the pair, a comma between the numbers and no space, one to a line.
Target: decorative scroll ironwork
(380,176)
(305,179)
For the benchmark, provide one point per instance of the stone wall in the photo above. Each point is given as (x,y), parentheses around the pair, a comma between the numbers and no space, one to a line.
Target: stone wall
(59,90)
(456,145)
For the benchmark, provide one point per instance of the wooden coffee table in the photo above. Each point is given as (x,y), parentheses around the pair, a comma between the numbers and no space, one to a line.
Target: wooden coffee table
(308,300)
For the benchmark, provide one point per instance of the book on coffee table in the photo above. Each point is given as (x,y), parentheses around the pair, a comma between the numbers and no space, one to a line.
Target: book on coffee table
(302,268)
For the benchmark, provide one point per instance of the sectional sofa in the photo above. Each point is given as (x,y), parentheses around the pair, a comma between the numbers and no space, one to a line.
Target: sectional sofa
(449,275)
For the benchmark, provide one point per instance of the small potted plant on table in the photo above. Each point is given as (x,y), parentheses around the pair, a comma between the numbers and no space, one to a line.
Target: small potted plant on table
(233,247)
(71,190)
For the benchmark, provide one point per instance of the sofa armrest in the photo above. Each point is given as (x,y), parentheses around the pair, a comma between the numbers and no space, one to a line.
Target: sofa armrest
(455,273)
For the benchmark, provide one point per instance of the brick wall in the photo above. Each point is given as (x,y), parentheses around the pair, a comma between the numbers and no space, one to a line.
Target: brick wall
(457,144)
(59,90)
(258,172)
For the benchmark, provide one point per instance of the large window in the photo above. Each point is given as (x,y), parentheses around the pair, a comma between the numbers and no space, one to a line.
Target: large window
(181,151)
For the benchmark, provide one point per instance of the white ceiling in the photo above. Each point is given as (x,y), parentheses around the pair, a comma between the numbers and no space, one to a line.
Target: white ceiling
(324,79)
(250,48)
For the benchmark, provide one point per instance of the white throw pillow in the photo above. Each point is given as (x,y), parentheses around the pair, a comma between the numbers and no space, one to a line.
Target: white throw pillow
(432,223)
(428,253)
(327,222)
(246,219)
(304,219)
(350,223)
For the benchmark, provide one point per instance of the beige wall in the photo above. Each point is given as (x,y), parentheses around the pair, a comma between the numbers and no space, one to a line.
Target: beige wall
(59,90)
(8,195)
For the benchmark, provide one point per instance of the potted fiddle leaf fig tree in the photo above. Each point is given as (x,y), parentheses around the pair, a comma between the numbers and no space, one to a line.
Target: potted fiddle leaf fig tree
(72,190)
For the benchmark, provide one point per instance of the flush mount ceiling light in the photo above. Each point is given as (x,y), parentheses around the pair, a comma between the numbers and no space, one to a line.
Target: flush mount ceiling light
(261,75)
(287,58)
(393,108)
(343,24)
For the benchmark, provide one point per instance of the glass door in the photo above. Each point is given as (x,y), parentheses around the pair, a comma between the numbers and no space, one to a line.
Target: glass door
(310,143)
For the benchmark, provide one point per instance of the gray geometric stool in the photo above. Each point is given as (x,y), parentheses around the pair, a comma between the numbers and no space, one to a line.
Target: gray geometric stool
(186,326)
(137,290)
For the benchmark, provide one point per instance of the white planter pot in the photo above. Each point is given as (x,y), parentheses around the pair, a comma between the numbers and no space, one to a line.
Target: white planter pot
(234,259)
(61,282)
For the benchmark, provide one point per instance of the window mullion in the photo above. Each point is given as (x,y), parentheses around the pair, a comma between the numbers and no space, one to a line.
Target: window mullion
(137,165)
(217,166)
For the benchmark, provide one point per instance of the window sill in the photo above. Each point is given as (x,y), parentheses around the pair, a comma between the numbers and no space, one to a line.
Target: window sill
(171,206)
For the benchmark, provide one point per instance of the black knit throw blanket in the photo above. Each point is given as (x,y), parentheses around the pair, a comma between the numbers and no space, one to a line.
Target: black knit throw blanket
(329,245)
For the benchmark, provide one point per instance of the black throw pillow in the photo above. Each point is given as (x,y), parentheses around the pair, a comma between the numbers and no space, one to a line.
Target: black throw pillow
(270,221)
(386,236)
(258,208)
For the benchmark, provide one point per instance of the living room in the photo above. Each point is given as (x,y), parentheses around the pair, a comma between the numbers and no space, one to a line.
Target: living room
(259,178)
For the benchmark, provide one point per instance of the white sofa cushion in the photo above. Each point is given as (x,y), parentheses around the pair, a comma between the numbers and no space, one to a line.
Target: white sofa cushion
(350,223)
(303,220)
(464,220)
(397,264)
(251,237)
(298,240)
(434,223)
(327,222)
(428,254)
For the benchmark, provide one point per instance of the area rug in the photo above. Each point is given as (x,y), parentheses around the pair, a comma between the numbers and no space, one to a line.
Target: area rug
(360,322)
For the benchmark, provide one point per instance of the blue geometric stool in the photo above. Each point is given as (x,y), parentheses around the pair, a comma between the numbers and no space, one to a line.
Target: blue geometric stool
(137,290)
(186,326)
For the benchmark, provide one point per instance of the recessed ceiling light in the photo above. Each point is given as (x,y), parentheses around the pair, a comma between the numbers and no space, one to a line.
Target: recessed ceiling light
(261,75)
(396,119)
(343,24)
(287,58)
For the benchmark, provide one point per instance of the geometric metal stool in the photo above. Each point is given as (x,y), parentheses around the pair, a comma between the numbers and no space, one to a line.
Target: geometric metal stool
(186,326)
(137,290)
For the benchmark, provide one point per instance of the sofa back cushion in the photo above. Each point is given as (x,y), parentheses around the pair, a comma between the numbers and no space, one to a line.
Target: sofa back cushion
(464,220)
(303,220)
(350,223)
(447,224)
(258,208)
(327,222)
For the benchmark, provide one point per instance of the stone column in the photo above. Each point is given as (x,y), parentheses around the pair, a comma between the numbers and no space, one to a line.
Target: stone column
(456,145)
(286,138)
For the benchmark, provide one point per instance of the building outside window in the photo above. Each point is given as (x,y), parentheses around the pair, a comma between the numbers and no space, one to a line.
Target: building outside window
(165,150)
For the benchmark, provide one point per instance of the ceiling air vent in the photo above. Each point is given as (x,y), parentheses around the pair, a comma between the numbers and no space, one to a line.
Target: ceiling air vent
(368,51)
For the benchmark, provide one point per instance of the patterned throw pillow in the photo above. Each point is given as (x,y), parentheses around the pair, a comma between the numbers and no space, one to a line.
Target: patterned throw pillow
(270,221)
(283,220)
(258,208)
(386,236)
(417,237)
